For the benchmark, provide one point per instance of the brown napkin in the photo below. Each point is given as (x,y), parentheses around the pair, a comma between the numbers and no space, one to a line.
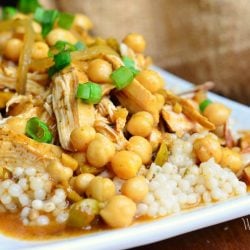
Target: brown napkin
(199,40)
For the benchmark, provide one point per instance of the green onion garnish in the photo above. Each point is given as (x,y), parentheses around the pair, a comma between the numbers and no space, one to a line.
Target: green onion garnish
(80,46)
(47,18)
(122,77)
(8,12)
(62,60)
(38,15)
(52,70)
(89,92)
(65,46)
(27,6)
(38,130)
(204,104)
(65,20)
(129,63)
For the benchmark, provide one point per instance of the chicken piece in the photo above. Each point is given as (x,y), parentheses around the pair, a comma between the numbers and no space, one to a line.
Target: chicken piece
(244,141)
(187,109)
(113,135)
(35,81)
(117,115)
(111,121)
(246,174)
(86,113)
(19,150)
(106,88)
(70,112)
(25,105)
(106,108)
(178,123)
(4,98)
(10,83)
(136,97)
(115,61)
(229,140)
(120,118)
(103,126)
(65,106)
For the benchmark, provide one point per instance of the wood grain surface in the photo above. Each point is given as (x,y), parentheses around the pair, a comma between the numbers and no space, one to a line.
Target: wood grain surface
(231,235)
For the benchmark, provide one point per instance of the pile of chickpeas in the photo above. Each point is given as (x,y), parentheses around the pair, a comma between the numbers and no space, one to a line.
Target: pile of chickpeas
(210,145)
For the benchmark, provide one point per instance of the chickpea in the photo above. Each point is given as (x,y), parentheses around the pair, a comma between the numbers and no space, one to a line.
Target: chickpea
(151,80)
(136,42)
(39,50)
(100,151)
(58,172)
(81,137)
(82,181)
(135,188)
(140,146)
(101,189)
(231,159)
(60,34)
(17,124)
(99,71)
(217,113)
(126,164)
(119,211)
(5,36)
(13,49)
(207,147)
(83,22)
(141,123)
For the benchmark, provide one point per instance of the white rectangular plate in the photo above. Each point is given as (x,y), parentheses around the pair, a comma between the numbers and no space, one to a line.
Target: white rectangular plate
(155,230)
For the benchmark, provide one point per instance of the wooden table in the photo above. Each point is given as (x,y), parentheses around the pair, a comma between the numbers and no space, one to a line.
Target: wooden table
(232,235)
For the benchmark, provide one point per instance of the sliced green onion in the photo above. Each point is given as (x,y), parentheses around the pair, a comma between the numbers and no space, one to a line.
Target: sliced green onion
(129,63)
(89,92)
(204,104)
(65,46)
(65,20)
(80,46)
(28,6)
(8,12)
(52,70)
(38,130)
(122,77)
(47,18)
(62,60)
(38,15)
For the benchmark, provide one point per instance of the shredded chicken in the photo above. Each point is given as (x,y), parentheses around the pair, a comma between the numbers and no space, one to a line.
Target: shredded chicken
(136,97)
(110,121)
(36,82)
(188,109)
(178,123)
(65,105)
(19,150)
